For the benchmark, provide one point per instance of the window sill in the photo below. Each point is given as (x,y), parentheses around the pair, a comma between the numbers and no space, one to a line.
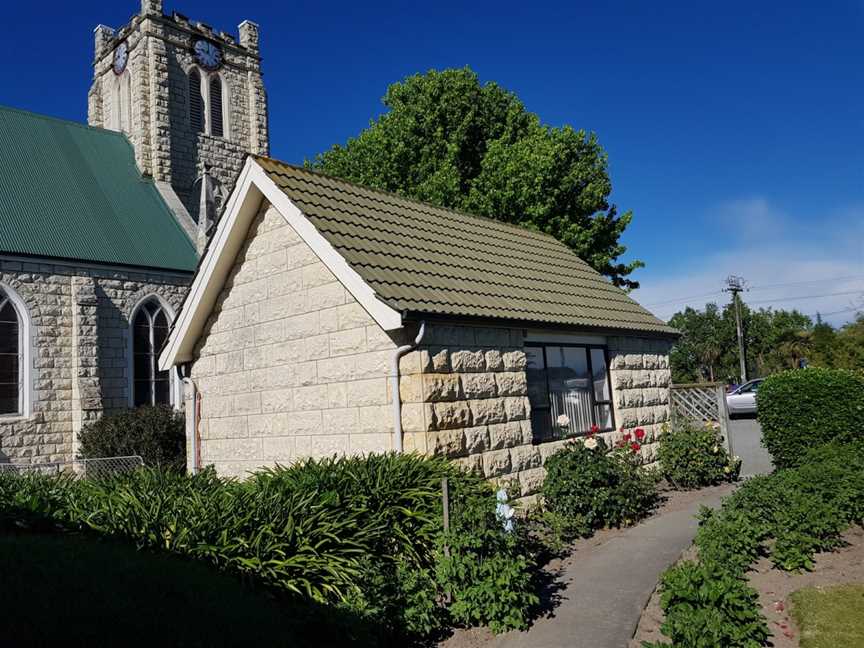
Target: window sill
(13,418)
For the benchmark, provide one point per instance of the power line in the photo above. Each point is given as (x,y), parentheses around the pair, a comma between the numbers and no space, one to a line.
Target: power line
(683,299)
(839,312)
(779,299)
(802,283)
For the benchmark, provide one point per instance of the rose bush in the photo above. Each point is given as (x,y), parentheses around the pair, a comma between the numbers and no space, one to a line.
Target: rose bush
(693,457)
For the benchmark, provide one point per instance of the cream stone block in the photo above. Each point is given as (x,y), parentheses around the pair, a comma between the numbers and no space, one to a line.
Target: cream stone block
(370,443)
(367,392)
(328,445)
(505,435)
(231,319)
(479,385)
(305,423)
(317,274)
(249,403)
(217,406)
(524,457)
(467,361)
(435,360)
(374,418)
(277,400)
(229,362)
(300,327)
(531,481)
(550,448)
(516,407)
(527,431)
(327,296)
(373,363)
(451,415)
(269,332)
(341,369)
(496,462)
(414,442)
(337,395)
(281,450)
(411,388)
(409,363)
(377,339)
(352,315)
(494,360)
(204,366)
(315,347)
(344,420)
(441,387)
(413,417)
(280,308)
(300,256)
(347,342)
(230,449)
(303,373)
(312,397)
(471,463)
(515,360)
(234,427)
(447,443)
(269,264)
(511,383)
(287,282)
(272,424)
(488,410)
(477,439)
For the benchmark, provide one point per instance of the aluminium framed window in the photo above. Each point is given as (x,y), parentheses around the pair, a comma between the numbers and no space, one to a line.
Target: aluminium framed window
(569,389)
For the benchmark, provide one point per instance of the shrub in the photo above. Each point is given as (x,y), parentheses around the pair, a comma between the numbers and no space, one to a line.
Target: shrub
(587,487)
(693,457)
(802,409)
(156,434)
(364,533)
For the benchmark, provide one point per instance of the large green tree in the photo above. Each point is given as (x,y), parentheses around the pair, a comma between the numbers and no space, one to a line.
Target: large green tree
(451,141)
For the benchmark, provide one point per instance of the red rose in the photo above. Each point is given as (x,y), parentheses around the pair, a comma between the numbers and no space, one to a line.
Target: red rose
(627,437)
(594,430)
(640,433)
(635,447)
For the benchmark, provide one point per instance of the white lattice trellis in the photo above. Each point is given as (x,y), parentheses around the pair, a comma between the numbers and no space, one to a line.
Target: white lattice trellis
(701,403)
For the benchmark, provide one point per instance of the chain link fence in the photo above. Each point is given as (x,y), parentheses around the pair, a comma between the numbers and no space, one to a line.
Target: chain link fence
(83,468)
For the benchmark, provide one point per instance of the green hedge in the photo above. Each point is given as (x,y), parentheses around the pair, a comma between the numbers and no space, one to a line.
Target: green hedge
(801,409)
(364,533)
(788,516)
(157,434)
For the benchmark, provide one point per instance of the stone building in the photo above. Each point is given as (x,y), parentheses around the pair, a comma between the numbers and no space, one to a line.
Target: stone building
(330,318)
(98,230)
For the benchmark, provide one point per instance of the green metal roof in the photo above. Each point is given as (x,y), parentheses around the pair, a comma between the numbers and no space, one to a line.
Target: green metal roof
(424,259)
(73,192)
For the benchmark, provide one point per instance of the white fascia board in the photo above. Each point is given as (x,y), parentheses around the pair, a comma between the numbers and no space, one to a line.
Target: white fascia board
(252,187)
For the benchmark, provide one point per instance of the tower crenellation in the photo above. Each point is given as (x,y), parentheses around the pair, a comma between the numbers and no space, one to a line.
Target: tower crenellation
(186,95)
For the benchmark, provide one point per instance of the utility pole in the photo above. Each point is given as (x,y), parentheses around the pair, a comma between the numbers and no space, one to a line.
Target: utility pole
(736,285)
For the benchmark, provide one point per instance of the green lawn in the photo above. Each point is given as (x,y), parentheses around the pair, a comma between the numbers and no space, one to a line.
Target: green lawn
(831,617)
(64,589)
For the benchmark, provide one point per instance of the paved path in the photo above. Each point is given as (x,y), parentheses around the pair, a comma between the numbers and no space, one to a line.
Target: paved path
(607,586)
(746,438)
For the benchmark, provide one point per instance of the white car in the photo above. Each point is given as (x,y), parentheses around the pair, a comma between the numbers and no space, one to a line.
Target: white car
(743,399)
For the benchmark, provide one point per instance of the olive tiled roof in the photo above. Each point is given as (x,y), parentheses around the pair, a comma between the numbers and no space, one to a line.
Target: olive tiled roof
(70,191)
(427,260)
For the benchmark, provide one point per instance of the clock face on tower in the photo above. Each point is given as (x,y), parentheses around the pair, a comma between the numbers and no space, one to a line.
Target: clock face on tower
(121,57)
(208,55)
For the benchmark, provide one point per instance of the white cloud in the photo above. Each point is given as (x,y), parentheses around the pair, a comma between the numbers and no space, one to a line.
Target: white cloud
(818,256)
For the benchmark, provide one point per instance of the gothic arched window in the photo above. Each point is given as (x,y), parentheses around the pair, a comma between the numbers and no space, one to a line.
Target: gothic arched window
(150,324)
(217,126)
(196,102)
(14,353)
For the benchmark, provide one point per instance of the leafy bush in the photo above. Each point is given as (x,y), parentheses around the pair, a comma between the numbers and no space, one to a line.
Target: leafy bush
(805,408)
(361,533)
(587,487)
(693,457)
(156,434)
(788,516)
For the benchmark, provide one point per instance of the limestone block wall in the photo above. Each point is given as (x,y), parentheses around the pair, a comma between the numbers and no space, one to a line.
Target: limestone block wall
(640,386)
(79,348)
(289,365)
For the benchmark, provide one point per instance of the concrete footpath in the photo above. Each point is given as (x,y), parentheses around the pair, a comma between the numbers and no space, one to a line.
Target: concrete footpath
(606,586)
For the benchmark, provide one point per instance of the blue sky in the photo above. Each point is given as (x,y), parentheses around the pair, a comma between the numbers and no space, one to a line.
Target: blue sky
(735,130)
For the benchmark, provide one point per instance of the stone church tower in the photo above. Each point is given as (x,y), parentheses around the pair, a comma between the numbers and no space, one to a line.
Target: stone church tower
(189,99)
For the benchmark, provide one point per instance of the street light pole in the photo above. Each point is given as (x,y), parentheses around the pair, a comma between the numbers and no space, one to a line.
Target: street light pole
(735,285)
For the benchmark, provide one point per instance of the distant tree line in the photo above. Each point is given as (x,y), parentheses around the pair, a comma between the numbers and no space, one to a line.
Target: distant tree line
(774,340)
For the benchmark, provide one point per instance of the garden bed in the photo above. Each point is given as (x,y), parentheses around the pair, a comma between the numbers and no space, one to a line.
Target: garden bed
(845,565)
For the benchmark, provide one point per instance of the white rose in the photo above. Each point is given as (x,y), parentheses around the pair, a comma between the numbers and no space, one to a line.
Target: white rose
(591,443)
(727,470)
(563,421)
(716,449)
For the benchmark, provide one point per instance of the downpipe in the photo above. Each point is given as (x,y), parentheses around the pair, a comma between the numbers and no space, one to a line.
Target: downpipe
(196,423)
(394,386)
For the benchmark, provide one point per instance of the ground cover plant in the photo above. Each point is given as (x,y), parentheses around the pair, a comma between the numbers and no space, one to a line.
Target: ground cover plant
(692,456)
(588,486)
(363,535)
(804,408)
(788,516)
(830,617)
(156,434)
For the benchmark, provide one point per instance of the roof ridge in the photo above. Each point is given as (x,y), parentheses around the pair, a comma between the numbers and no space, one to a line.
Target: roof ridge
(384,192)
(63,120)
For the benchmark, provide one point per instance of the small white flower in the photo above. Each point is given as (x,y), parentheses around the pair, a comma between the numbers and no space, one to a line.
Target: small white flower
(563,421)
(727,470)
(504,511)
(716,449)
(591,443)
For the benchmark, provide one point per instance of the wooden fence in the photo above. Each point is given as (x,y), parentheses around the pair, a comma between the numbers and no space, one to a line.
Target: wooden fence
(701,403)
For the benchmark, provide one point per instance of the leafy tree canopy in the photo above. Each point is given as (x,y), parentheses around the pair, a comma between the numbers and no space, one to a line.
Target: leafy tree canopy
(451,141)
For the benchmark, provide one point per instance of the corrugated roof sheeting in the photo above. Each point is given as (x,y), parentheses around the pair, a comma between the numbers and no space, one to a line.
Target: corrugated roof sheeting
(74,192)
(424,259)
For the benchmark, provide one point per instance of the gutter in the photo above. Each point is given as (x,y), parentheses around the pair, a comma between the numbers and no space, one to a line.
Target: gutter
(394,386)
